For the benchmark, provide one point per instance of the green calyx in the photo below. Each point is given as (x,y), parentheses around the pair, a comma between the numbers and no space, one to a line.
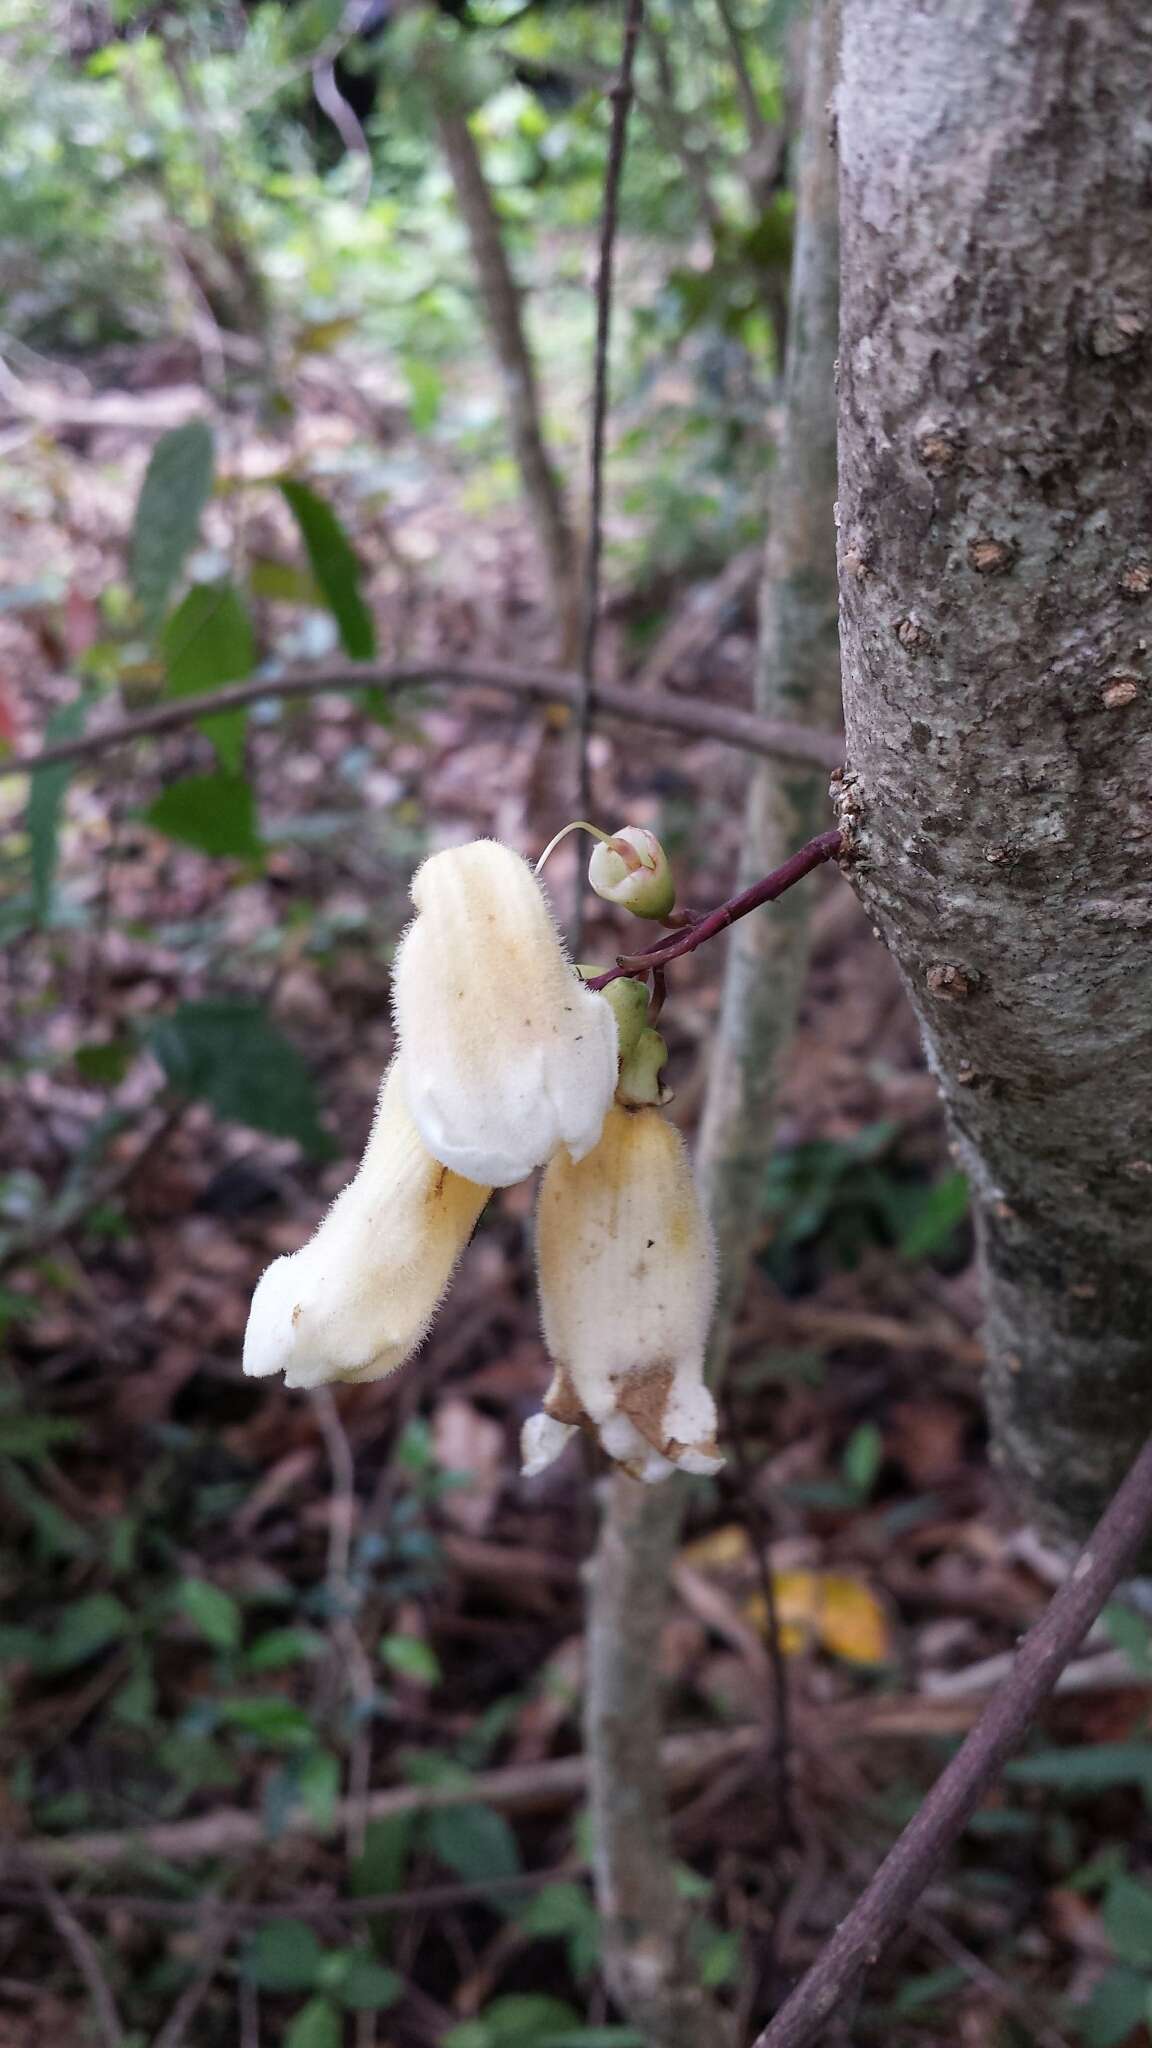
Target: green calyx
(640,1086)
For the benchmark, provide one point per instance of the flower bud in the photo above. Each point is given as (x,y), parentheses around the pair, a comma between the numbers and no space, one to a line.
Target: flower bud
(625,1268)
(507,1055)
(632,869)
(357,1299)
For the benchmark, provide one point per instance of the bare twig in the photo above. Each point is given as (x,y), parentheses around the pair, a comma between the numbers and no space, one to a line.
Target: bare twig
(621,96)
(216,1935)
(755,1524)
(736,728)
(84,1954)
(826,846)
(231,1831)
(885,1905)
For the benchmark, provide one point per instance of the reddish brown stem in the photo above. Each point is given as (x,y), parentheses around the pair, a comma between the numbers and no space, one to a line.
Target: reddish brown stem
(884,1907)
(826,846)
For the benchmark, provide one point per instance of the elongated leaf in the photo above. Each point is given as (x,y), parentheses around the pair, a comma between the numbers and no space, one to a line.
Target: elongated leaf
(474,1841)
(230,1054)
(335,568)
(45,800)
(285,1956)
(317,2026)
(214,813)
(208,642)
(1086,1770)
(177,485)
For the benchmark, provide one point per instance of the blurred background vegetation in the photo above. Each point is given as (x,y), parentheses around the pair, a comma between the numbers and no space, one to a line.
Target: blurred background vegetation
(256,410)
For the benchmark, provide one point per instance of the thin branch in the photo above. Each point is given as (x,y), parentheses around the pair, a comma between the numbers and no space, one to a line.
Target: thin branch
(742,729)
(84,1954)
(216,1937)
(893,1893)
(755,120)
(826,846)
(621,97)
(232,1831)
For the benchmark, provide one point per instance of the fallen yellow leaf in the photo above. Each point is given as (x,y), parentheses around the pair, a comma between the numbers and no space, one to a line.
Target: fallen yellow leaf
(721,1547)
(839,1613)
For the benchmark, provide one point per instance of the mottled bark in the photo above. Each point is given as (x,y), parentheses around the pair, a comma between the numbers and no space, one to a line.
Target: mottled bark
(642,1916)
(504,320)
(995,571)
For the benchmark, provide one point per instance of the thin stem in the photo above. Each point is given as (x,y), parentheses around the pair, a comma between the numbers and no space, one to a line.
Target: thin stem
(577,825)
(621,96)
(884,1907)
(826,846)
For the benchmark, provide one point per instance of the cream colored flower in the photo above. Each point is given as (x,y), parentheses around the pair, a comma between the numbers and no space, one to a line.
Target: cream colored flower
(626,1284)
(358,1298)
(507,1056)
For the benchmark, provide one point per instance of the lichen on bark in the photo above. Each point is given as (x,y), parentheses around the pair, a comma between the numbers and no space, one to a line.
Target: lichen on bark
(995,537)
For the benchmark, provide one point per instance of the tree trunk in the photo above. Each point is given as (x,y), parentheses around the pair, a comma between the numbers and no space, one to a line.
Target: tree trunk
(995,572)
(643,1918)
(503,313)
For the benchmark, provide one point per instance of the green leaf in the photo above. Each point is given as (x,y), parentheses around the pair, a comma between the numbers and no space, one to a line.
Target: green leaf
(85,1627)
(318,2026)
(1127,1916)
(317,1784)
(863,1457)
(412,1658)
(176,488)
(278,1722)
(1086,1770)
(474,1841)
(280,1647)
(425,392)
(365,1986)
(228,1053)
(212,1611)
(519,2020)
(1117,2006)
(938,1214)
(104,1062)
(214,813)
(31,1436)
(930,1988)
(382,1864)
(335,568)
(45,801)
(594,2037)
(207,643)
(284,1956)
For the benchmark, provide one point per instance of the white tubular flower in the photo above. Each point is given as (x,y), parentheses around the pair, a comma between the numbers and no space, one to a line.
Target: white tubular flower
(632,869)
(625,1265)
(357,1299)
(507,1056)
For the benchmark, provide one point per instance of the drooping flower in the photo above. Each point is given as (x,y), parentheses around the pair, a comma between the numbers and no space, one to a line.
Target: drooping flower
(507,1056)
(357,1299)
(625,1267)
(631,869)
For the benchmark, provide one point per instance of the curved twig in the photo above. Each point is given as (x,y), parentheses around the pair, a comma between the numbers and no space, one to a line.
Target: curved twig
(884,1907)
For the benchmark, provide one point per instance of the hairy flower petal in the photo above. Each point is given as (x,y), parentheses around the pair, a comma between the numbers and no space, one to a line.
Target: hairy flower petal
(626,1286)
(507,1056)
(358,1298)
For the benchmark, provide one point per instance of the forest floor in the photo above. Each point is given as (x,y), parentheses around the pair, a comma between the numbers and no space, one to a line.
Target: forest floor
(236,1619)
